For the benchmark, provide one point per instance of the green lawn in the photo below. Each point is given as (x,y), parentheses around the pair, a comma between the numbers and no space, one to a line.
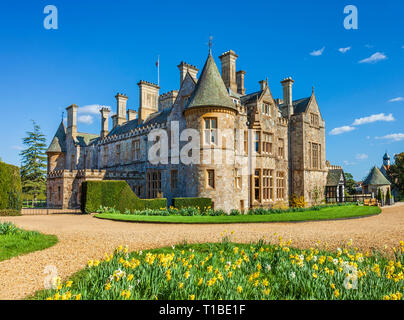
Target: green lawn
(323,214)
(15,242)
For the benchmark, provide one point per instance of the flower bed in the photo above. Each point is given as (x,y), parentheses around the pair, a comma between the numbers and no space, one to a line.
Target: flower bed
(228,270)
(196,211)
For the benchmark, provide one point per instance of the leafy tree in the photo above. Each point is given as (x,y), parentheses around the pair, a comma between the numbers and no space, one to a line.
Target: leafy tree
(396,172)
(33,163)
(350,183)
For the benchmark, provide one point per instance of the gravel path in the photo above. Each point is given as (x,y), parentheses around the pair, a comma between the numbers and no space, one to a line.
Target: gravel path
(83,237)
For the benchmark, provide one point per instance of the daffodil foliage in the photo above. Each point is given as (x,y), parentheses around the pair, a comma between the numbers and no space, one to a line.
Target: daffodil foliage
(230,270)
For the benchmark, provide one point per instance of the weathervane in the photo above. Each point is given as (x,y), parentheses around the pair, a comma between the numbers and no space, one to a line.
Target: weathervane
(210,44)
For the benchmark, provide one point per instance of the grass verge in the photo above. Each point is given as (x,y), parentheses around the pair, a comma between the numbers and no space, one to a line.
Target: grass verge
(15,242)
(332,213)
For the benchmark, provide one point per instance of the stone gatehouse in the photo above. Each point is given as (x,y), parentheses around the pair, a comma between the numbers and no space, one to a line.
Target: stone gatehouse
(284,137)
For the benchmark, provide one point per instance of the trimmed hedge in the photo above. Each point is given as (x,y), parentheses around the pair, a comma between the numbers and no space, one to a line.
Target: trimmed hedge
(10,187)
(202,203)
(114,194)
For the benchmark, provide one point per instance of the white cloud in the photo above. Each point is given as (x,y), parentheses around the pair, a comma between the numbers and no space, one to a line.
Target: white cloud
(317,53)
(87,119)
(348,163)
(361,156)
(340,130)
(19,148)
(373,118)
(396,99)
(91,109)
(393,137)
(344,50)
(376,57)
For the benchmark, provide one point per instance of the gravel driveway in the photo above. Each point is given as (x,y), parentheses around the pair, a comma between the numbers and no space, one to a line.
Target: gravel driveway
(83,237)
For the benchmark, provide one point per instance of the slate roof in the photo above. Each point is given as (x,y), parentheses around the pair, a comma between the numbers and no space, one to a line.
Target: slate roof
(210,89)
(157,117)
(58,143)
(376,178)
(86,139)
(333,177)
(300,106)
(251,97)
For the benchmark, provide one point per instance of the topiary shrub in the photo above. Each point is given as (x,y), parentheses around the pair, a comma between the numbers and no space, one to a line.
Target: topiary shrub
(202,203)
(114,194)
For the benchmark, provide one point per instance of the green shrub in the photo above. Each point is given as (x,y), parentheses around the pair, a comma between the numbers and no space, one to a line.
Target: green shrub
(114,194)
(10,187)
(202,203)
(9,212)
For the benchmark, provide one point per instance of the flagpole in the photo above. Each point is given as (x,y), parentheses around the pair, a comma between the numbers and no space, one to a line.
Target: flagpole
(158,70)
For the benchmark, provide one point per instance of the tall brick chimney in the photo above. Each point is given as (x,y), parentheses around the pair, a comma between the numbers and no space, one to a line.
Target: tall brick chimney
(228,60)
(104,121)
(287,94)
(121,101)
(72,120)
(184,68)
(240,82)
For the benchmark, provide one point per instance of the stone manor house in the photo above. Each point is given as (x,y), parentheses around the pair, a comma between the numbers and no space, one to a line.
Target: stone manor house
(285,136)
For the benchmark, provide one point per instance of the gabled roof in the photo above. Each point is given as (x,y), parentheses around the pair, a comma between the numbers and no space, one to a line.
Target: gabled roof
(58,143)
(210,89)
(376,178)
(334,177)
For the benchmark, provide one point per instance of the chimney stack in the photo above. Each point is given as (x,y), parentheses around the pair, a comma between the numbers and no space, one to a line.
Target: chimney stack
(148,99)
(104,121)
(184,68)
(121,101)
(228,60)
(166,100)
(287,94)
(132,114)
(240,82)
(72,120)
(114,120)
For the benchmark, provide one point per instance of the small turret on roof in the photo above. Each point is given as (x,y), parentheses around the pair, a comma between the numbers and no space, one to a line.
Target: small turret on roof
(58,143)
(210,90)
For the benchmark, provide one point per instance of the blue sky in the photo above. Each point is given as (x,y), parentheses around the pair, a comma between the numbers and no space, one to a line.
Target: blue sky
(104,47)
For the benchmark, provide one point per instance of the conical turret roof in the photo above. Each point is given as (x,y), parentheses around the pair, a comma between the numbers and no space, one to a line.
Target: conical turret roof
(376,177)
(210,90)
(58,143)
